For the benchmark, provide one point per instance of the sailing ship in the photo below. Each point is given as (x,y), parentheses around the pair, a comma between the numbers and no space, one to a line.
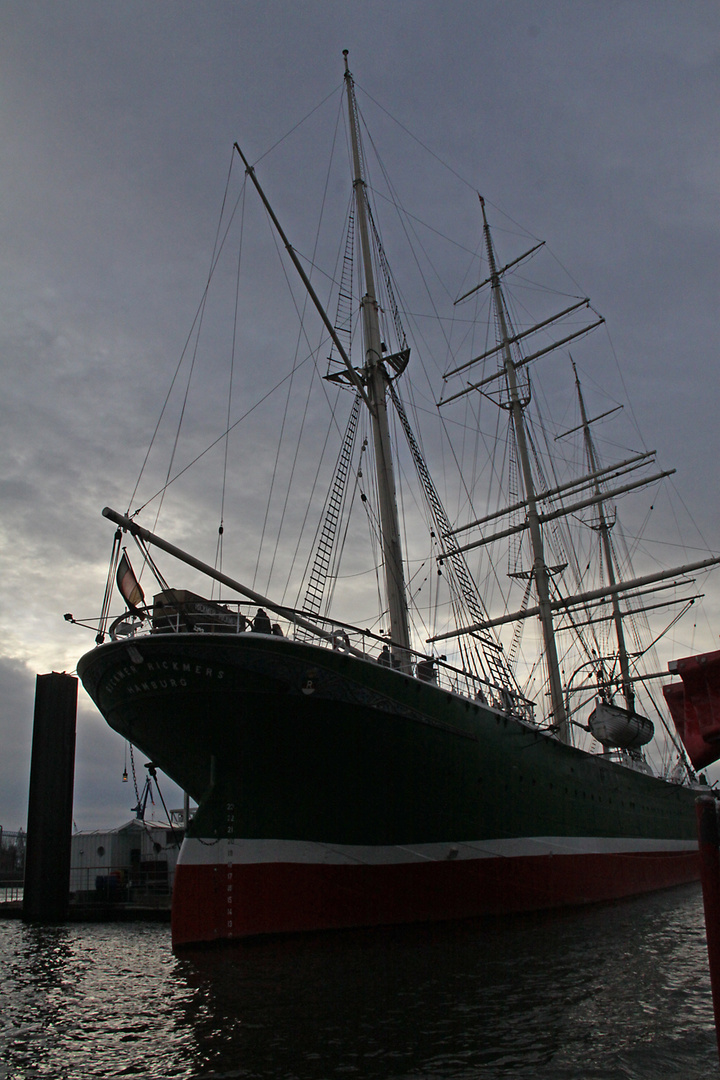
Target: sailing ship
(351,776)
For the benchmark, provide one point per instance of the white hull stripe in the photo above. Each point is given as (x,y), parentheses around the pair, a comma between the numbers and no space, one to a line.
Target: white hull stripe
(199,852)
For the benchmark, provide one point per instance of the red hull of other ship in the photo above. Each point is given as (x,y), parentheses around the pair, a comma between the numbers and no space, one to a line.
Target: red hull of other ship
(695,706)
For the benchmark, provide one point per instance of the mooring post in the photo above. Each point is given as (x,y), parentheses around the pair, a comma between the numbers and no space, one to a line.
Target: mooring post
(709,841)
(50,800)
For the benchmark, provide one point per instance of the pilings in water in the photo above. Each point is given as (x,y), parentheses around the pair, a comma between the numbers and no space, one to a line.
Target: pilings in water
(50,800)
(709,841)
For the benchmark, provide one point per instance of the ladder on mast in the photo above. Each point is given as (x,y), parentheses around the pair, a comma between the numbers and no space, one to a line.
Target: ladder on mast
(315,589)
(498,671)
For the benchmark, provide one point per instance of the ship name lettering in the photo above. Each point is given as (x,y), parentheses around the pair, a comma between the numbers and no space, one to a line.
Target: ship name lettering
(161,684)
(162,665)
(158,665)
(118,676)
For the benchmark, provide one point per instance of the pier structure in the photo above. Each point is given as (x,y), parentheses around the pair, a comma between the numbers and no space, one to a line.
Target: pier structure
(50,799)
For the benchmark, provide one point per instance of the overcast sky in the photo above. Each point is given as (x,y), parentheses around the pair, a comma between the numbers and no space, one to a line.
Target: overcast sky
(594,124)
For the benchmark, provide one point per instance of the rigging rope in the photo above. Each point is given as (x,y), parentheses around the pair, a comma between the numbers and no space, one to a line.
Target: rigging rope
(107,598)
(493,663)
(221,526)
(217,250)
(302,334)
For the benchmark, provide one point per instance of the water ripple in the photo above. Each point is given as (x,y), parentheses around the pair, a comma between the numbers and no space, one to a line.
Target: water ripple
(620,991)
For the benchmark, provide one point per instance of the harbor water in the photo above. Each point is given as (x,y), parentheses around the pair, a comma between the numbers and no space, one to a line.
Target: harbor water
(617,991)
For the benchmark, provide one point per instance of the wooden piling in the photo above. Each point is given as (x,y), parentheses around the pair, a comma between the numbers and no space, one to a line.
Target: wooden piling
(709,841)
(50,800)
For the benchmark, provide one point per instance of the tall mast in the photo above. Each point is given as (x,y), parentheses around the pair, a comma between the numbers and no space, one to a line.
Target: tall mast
(604,530)
(539,570)
(376,382)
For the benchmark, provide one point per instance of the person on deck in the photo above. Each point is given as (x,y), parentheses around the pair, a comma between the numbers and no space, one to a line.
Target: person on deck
(425,671)
(261,623)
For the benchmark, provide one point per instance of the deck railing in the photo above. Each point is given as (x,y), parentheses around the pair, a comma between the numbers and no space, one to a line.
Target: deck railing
(11,892)
(149,886)
(235,617)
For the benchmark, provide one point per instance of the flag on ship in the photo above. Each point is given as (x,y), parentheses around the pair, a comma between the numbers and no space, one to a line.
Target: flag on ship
(129,585)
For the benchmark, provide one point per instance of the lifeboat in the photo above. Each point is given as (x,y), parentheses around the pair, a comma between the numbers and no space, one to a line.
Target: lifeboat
(619,728)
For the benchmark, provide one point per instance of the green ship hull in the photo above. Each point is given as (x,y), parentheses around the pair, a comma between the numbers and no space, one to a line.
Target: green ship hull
(333,791)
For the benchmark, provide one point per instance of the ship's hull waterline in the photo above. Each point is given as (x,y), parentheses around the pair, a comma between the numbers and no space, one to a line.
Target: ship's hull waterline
(335,792)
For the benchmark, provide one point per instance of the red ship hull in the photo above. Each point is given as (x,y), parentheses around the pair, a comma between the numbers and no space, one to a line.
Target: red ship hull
(226,900)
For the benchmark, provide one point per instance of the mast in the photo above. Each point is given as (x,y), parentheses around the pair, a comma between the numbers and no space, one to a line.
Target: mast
(375,380)
(604,530)
(539,569)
